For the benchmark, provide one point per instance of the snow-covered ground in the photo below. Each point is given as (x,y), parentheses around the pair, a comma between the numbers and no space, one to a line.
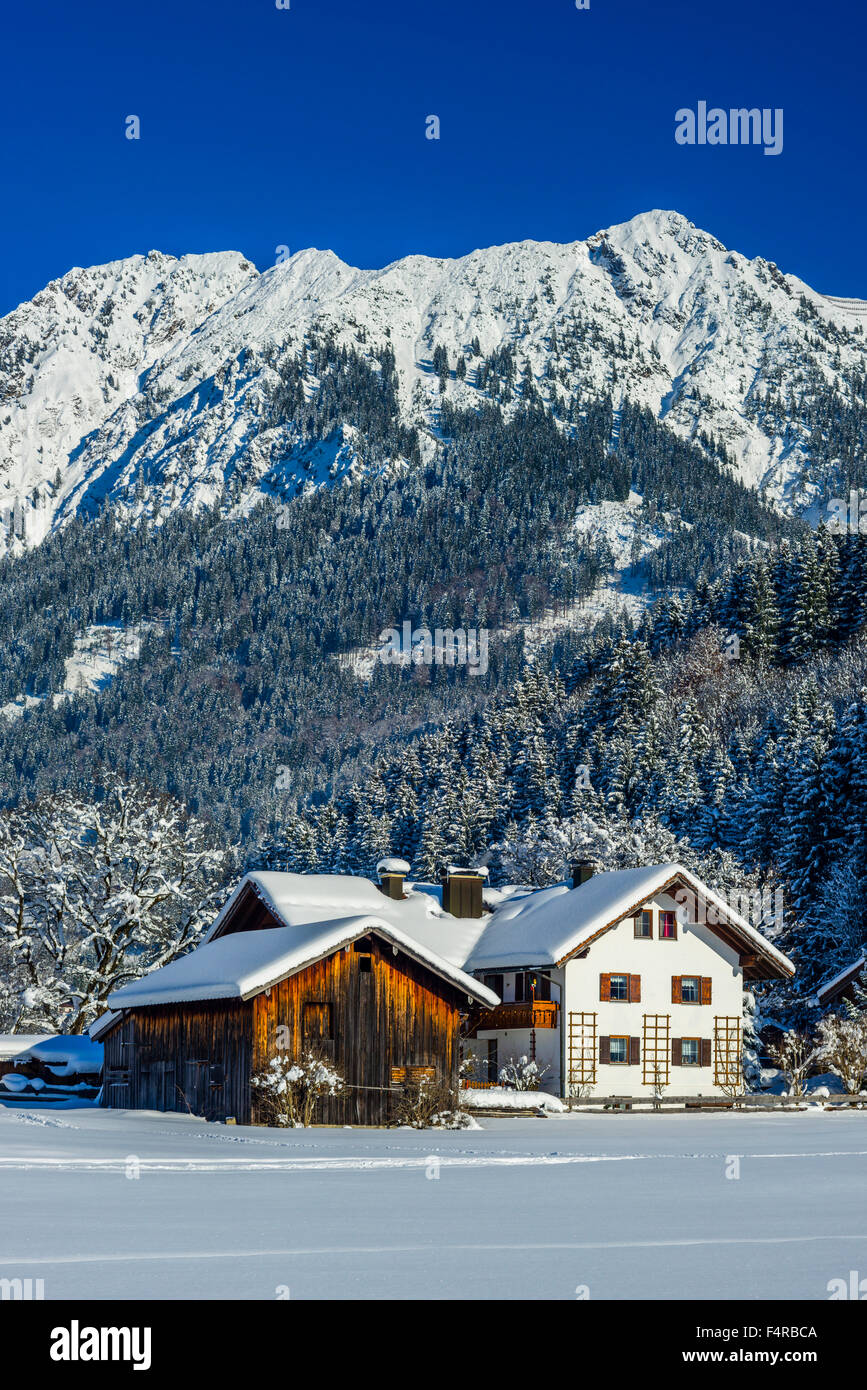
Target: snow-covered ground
(98,655)
(119,1205)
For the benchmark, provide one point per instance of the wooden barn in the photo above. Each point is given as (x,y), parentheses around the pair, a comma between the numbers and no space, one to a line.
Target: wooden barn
(320,962)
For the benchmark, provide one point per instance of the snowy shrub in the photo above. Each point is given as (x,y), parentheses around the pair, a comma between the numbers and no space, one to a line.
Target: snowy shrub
(843,1047)
(522,1075)
(428,1103)
(287,1092)
(794,1054)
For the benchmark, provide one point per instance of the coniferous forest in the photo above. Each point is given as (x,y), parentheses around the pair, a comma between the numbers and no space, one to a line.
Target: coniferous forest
(726,727)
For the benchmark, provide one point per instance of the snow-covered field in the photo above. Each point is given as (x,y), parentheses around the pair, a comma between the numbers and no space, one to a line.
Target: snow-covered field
(119,1205)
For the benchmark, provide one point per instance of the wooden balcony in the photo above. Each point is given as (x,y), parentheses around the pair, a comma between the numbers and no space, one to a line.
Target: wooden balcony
(538,1013)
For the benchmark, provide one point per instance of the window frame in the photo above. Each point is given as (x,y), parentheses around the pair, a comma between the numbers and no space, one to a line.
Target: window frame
(697,981)
(611,997)
(665,913)
(683,1061)
(613,1038)
(638,920)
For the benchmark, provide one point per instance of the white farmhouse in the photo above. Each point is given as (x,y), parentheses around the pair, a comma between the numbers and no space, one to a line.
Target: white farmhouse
(626,983)
(621,984)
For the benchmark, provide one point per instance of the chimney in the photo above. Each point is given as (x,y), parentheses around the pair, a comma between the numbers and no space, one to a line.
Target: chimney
(582,869)
(391,873)
(462,891)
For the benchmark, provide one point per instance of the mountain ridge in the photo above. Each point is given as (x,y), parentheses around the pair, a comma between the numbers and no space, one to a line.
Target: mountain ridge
(147,382)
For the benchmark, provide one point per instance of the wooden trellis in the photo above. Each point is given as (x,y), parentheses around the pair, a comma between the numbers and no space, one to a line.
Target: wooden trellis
(582,1049)
(727,1052)
(656,1049)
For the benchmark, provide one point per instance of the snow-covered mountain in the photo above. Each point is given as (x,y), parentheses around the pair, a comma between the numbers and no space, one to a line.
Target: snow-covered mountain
(148,381)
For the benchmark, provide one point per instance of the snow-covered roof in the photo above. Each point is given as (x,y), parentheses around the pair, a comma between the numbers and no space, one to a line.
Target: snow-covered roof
(13,1044)
(320,913)
(67,1054)
(242,964)
(547,927)
(101,1025)
(392,866)
(298,899)
(826,993)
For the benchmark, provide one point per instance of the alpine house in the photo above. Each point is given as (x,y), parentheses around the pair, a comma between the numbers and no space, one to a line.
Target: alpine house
(621,983)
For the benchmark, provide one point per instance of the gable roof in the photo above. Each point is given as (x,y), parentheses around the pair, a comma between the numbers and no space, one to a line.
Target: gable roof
(832,989)
(548,927)
(242,964)
(317,914)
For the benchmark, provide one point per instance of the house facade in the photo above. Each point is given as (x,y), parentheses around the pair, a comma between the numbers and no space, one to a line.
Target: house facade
(628,984)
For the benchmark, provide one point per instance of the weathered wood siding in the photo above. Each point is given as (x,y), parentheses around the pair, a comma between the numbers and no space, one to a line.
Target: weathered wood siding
(382,1012)
(191,1057)
(370,1011)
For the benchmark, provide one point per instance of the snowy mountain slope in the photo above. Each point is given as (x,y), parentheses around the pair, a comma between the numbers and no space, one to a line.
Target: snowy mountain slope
(74,355)
(148,381)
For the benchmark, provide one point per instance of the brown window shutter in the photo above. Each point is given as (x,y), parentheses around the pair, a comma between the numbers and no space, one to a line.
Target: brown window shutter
(677,1052)
(635,989)
(605,987)
(676,993)
(604,1050)
(705,1052)
(634,1052)
(706,989)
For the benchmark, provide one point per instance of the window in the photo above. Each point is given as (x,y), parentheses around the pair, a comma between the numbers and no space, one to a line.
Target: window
(691,989)
(532,984)
(644,925)
(668,926)
(690,1052)
(620,989)
(619,1054)
(365,965)
(494,982)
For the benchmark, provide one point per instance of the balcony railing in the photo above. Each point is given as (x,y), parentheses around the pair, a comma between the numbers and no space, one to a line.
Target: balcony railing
(537,1013)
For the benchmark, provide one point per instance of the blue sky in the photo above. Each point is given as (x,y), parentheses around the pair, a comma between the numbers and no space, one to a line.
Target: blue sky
(306,127)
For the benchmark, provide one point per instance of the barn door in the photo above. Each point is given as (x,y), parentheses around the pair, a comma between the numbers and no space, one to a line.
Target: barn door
(119,1064)
(196,1086)
(204,1091)
(158,1086)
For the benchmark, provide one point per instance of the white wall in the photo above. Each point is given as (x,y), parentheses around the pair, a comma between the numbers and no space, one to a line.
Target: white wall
(696,951)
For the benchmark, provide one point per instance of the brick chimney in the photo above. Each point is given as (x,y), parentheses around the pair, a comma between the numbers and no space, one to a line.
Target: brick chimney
(391,873)
(462,891)
(582,869)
